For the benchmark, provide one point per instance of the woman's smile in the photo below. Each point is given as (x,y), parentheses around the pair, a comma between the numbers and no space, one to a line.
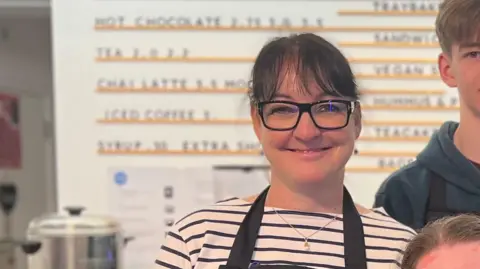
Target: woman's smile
(310,153)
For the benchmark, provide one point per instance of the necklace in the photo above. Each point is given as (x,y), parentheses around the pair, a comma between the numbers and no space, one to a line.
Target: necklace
(306,245)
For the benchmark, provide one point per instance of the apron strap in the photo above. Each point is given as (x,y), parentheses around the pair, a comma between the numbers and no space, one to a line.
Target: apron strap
(244,244)
(353,234)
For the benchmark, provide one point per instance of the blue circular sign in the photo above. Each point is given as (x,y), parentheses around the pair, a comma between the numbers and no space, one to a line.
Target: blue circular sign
(120,178)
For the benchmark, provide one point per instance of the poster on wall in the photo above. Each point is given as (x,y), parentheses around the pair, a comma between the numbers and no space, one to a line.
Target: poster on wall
(10,136)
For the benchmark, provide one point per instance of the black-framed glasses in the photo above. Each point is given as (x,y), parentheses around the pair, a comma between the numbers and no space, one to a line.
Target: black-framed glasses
(285,115)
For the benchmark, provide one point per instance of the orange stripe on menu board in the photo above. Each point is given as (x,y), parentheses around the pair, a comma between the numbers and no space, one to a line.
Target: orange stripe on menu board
(179,121)
(386,13)
(244,90)
(389,44)
(249,60)
(401,123)
(410,108)
(421,139)
(199,59)
(399,77)
(264,28)
(169,90)
(391,60)
(248,121)
(402,92)
(240,152)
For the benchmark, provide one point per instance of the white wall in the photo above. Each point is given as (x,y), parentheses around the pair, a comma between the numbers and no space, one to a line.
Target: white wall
(25,69)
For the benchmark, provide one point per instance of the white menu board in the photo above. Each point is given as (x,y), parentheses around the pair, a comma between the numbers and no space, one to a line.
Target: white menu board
(162,83)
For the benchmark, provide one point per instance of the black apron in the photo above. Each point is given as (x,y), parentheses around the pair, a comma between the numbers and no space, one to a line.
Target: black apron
(244,244)
(437,201)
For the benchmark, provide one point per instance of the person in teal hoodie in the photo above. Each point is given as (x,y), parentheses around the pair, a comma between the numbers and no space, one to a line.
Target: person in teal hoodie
(445,177)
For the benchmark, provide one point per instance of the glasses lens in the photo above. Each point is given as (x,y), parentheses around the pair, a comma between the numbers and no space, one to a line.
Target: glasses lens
(330,115)
(280,115)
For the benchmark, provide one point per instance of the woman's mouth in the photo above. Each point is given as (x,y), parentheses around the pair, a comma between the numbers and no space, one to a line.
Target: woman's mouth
(311,153)
(312,150)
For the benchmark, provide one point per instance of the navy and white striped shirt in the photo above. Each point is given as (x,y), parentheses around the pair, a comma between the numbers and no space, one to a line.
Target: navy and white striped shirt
(203,239)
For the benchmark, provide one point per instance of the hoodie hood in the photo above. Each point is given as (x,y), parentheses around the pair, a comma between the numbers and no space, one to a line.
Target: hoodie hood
(442,157)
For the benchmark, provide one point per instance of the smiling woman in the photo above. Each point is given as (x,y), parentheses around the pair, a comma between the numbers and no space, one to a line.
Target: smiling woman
(307,117)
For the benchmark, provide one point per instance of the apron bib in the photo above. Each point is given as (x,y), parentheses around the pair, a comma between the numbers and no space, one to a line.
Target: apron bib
(243,247)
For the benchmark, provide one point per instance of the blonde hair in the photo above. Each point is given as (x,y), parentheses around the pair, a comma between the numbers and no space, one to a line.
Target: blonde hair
(450,230)
(458,21)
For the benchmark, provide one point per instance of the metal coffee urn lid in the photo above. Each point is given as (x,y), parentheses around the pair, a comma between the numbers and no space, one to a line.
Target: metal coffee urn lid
(74,223)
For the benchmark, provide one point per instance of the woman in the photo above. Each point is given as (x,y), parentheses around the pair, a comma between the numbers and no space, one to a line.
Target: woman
(306,114)
(448,243)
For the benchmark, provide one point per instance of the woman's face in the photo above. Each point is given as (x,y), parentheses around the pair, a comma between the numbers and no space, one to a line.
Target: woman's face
(306,154)
(457,256)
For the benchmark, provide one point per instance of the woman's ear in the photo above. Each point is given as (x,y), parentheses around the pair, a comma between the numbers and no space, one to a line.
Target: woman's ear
(256,121)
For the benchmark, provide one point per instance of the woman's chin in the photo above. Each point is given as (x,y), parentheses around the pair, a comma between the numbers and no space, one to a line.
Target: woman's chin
(310,176)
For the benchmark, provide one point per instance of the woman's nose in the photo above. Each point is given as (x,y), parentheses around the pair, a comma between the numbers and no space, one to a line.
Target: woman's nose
(306,128)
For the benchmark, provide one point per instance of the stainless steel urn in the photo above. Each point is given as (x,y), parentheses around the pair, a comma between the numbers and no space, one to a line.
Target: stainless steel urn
(74,241)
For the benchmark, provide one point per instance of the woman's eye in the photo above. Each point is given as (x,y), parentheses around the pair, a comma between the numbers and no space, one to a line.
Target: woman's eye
(328,108)
(282,110)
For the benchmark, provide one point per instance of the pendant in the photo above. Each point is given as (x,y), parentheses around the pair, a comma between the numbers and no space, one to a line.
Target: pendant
(306,245)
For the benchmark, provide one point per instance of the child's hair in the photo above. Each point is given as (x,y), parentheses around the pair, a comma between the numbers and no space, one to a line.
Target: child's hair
(450,230)
(458,22)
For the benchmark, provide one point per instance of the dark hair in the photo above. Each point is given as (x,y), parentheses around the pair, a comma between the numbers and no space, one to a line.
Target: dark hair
(314,58)
(463,228)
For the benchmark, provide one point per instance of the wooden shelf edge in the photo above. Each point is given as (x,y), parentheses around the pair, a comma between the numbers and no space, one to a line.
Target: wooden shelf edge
(394,45)
(397,77)
(392,154)
(267,29)
(248,121)
(245,60)
(245,90)
(411,108)
(386,13)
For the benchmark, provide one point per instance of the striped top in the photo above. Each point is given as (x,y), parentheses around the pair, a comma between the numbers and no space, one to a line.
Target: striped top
(204,238)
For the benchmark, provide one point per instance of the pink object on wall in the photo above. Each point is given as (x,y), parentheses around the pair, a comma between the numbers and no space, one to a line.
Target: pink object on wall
(10,139)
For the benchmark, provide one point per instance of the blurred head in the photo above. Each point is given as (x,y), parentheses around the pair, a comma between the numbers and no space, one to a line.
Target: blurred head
(458,31)
(449,243)
(304,107)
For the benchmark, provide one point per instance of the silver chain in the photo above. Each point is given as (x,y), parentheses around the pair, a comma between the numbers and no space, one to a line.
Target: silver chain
(305,238)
